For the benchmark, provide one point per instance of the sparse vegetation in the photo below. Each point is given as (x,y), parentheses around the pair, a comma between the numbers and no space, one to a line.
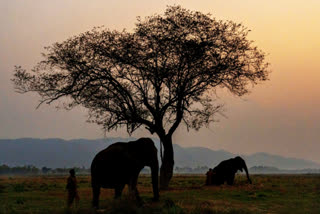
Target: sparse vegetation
(267,194)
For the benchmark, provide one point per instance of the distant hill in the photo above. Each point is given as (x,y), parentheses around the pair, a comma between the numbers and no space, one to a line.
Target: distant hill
(55,153)
(265,159)
(274,170)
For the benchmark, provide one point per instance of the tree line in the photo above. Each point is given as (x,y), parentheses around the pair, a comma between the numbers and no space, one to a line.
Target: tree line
(32,170)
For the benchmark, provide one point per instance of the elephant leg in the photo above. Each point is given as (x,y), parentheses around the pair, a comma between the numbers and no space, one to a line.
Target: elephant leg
(96,193)
(230,179)
(133,191)
(118,191)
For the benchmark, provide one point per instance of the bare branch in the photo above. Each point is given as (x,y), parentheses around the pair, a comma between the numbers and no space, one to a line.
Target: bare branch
(157,76)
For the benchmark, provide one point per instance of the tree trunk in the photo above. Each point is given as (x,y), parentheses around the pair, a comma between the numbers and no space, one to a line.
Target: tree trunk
(166,170)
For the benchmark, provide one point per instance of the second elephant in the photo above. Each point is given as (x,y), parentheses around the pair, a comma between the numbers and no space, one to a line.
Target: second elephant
(226,170)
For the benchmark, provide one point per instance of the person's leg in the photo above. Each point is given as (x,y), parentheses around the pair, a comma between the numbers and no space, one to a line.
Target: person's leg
(77,199)
(70,198)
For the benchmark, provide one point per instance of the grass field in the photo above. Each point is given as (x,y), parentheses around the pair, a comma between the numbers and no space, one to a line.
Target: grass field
(187,194)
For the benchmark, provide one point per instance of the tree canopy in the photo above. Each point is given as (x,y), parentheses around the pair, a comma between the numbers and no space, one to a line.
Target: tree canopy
(163,72)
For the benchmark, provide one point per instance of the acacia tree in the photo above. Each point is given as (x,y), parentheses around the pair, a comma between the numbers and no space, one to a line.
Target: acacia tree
(163,73)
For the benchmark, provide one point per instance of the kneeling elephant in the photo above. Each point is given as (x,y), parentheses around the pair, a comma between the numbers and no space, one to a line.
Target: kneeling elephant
(226,170)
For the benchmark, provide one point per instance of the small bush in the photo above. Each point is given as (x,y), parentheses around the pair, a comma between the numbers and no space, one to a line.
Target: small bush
(20,200)
(171,208)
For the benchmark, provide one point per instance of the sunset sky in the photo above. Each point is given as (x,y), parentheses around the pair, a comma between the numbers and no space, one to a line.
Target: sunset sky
(280,116)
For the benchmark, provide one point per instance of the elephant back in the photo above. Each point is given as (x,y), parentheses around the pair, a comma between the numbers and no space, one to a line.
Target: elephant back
(111,165)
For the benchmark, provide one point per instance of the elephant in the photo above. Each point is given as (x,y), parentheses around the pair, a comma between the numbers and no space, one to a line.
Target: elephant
(226,170)
(120,164)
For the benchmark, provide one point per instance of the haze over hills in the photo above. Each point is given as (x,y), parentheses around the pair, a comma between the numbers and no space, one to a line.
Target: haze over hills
(58,153)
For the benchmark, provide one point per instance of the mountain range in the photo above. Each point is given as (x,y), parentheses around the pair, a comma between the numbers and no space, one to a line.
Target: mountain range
(59,153)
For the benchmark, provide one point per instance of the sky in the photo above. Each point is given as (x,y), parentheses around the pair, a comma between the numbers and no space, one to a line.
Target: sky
(280,116)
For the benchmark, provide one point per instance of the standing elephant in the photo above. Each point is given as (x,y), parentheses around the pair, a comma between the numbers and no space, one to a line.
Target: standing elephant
(120,164)
(226,170)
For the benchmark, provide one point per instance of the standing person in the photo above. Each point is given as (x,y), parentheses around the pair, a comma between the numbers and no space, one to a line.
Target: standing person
(72,188)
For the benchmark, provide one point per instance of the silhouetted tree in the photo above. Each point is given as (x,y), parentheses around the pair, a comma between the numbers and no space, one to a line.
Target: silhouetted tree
(19,170)
(164,72)
(45,170)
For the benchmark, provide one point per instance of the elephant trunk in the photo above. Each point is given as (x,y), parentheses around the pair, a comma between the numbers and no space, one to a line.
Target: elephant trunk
(154,176)
(247,173)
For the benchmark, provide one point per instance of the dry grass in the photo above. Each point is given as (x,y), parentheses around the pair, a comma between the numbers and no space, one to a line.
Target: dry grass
(187,194)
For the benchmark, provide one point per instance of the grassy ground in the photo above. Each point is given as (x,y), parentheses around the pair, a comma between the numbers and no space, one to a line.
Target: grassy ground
(187,194)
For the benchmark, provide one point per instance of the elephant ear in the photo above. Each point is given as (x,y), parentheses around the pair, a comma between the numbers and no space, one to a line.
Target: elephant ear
(136,152)
(133,152)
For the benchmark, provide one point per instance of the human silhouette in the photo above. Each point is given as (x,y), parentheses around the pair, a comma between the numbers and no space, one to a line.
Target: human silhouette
(72,188)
